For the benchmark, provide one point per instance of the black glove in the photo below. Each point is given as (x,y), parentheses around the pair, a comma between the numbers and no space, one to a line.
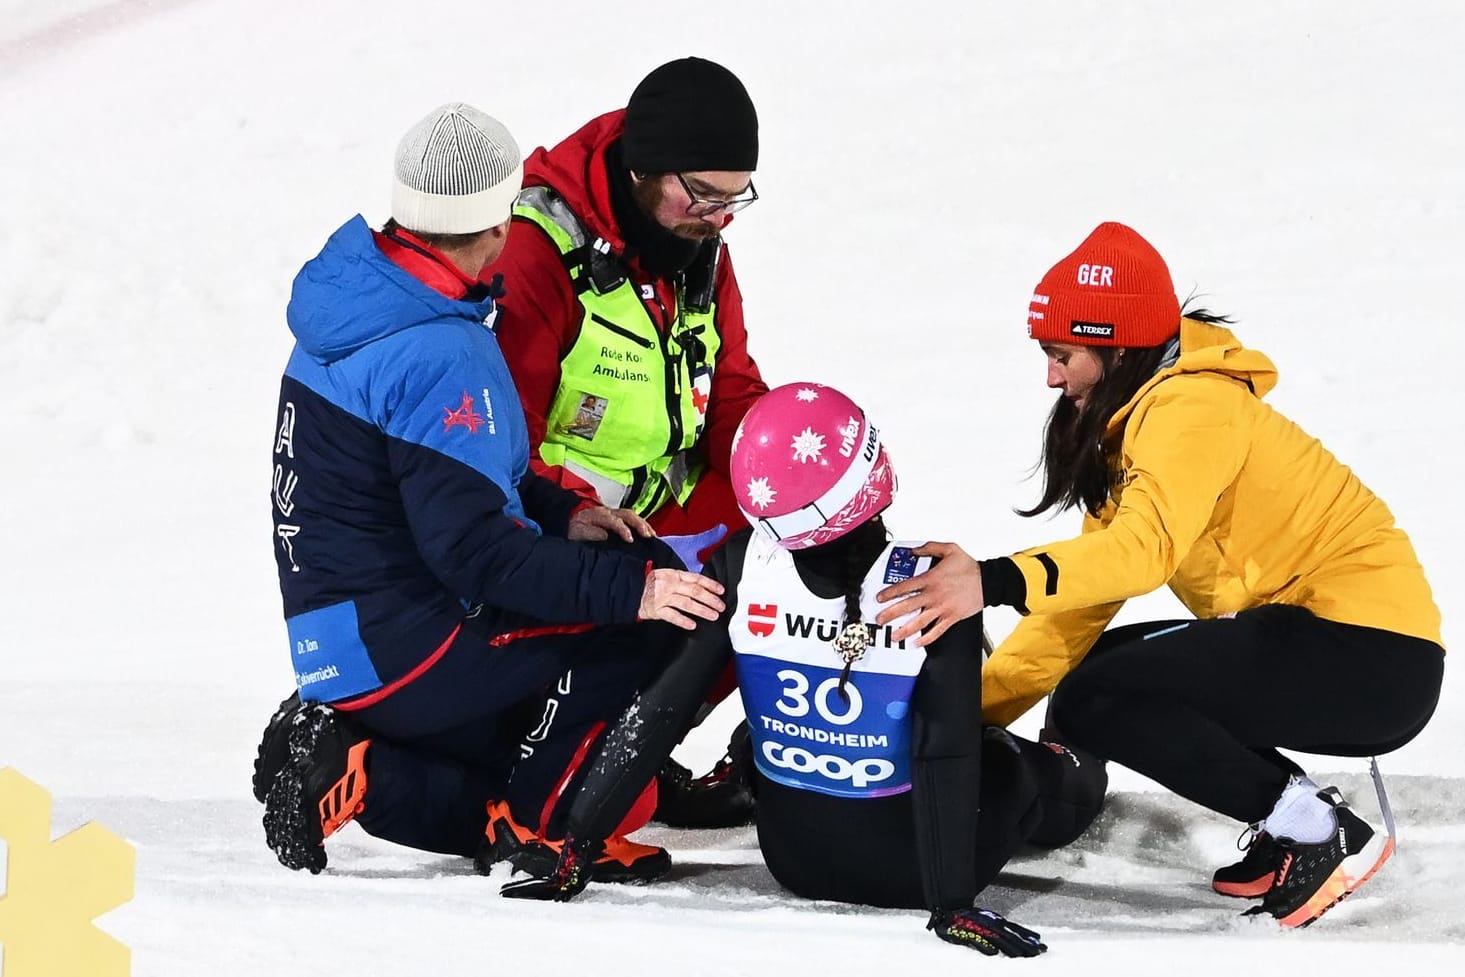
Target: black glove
(987,932)
(572,873)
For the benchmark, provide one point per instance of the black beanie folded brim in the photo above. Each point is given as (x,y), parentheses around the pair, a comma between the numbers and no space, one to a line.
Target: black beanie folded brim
(690,115)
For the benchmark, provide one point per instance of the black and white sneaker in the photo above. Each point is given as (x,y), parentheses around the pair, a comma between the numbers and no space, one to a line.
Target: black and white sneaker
(1251,877)
(1313,878)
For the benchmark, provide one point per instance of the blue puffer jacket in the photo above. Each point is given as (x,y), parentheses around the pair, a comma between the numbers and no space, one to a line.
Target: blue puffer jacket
(402,495)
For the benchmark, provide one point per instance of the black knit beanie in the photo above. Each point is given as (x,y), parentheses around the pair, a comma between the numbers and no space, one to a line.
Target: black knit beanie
(689,115)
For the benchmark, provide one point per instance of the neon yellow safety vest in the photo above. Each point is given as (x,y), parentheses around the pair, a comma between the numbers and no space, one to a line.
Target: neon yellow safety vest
(632,400)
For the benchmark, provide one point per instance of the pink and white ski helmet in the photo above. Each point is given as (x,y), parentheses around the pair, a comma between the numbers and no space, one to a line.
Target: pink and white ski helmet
(808,466)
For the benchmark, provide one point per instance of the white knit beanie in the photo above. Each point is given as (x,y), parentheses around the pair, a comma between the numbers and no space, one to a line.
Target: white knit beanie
(458,172)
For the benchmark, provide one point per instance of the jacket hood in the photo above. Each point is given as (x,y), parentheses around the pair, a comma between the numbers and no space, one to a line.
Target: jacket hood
(576,170)
(352,294)
(1209,348)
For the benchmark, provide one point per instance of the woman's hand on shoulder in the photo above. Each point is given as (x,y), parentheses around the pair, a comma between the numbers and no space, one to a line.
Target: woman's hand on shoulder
(948,592)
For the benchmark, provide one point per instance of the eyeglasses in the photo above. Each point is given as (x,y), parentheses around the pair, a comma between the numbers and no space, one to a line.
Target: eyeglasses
(703,206)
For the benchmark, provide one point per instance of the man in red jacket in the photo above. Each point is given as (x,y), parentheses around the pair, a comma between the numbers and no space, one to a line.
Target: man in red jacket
(623,322)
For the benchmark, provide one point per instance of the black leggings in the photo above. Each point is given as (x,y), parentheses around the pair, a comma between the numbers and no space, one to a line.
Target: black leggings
(1202,706)
(864,851)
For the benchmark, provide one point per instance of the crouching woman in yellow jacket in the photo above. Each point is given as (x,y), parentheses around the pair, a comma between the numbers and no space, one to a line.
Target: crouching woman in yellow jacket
(1315,628)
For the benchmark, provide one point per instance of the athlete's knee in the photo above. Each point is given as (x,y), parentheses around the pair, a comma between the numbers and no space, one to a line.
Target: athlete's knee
(1071,786)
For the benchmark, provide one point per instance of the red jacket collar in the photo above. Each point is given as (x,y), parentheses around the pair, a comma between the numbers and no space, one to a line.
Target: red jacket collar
(424,262)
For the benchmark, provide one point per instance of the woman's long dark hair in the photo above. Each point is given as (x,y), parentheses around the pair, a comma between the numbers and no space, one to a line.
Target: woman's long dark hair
(1075,460)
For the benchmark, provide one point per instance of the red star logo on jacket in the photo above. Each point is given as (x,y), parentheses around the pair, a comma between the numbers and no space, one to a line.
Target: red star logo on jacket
(463,416)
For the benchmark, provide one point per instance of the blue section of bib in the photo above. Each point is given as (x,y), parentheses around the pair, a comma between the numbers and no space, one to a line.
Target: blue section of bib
(805,735)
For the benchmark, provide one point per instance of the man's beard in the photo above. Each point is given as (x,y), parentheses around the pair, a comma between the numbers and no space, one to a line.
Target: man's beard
(648,196)
(695,230)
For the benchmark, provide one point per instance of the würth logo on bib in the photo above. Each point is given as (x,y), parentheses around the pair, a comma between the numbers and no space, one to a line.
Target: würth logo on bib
(762,619)
(463,416)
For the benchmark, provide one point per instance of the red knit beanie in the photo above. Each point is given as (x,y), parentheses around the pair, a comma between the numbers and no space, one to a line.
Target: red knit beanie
(1113,290)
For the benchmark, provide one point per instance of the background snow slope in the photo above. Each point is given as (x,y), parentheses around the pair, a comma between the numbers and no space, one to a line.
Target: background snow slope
(167,165)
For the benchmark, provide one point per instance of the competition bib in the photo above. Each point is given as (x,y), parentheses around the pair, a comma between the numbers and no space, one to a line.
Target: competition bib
(806,734)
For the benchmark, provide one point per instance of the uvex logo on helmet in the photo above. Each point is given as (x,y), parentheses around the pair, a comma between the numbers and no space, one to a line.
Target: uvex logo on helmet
(808,466)
(1113,290)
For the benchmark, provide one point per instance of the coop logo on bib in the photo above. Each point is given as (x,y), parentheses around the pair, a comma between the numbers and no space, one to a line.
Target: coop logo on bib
(860,773)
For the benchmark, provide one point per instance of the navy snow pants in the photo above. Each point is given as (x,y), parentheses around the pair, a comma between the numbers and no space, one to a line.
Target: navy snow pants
(514,723)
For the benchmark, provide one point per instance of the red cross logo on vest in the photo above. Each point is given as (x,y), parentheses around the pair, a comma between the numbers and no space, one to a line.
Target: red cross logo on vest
(701,391)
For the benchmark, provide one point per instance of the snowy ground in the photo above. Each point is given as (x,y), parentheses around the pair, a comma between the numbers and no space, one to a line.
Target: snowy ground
(166,165)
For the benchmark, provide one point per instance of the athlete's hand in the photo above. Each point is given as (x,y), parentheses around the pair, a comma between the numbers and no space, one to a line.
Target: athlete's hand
(986,932)
(672,595)
(600,522)
(948,592)
(572,873)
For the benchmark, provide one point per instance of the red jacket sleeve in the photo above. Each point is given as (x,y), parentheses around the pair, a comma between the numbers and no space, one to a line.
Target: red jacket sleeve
(736,382)
(539,320)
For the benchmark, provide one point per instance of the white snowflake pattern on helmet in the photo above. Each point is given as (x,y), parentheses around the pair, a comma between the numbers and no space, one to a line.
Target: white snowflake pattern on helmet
(807,445)
(761,493)
(850,481)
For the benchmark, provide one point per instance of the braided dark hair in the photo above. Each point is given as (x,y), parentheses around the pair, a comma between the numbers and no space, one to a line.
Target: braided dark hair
(844,563)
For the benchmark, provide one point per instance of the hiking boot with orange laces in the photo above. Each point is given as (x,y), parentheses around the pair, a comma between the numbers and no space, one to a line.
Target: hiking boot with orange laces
(1251,877)
(1313,878)
(619,860)
(319,790)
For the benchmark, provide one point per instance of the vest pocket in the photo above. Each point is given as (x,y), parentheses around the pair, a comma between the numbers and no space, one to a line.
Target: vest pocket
(622,331)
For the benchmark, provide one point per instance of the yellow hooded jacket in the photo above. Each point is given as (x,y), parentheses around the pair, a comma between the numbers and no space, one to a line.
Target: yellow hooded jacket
(1227,501)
